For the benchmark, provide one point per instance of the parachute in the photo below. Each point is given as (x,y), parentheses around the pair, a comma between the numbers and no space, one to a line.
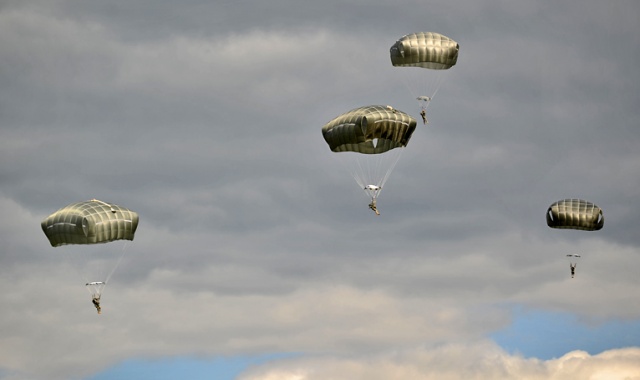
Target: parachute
(425,49)
(370,141)
(432,54)
(575,214)
(89,223)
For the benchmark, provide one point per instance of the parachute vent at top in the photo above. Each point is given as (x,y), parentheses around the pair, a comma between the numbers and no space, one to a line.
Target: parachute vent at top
(369,130)
(575,214)
(90,222)
(425,49)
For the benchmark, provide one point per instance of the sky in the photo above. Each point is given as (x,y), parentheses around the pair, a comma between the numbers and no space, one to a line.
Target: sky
(256,256)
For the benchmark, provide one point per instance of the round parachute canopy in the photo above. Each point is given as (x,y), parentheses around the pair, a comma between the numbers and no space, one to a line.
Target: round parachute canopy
(576,214)
(425,49)
(369,130)
(90,222)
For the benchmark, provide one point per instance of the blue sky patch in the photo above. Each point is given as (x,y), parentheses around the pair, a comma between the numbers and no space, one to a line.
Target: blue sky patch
(219,368)
(548,335)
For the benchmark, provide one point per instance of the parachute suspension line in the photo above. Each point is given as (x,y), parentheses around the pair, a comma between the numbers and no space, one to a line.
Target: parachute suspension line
(379,171)
(573,259)
(390,169)
(370,169)
(376,164)
(407,79)
(362,174)
(421,82)
(432,84)
(366,170)
(347,161)
(124,248)
(95,288)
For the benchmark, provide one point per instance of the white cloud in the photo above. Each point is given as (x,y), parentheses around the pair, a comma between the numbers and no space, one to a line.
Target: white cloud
(151,318)
(481,360)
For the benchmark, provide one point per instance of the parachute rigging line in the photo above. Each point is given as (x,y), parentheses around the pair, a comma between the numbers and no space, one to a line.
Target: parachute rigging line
(96,288)
(371,169)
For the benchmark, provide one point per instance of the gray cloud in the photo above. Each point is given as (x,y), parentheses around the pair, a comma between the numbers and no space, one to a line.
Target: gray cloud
(205,118)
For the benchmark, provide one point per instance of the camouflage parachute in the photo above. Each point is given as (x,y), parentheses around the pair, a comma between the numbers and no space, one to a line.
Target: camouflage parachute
(425,49)
(90,222)
(371,129)
(369,141)
(576,214)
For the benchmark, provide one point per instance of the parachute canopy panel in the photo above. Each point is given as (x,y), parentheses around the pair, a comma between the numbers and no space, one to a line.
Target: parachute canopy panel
(90,222)
(425,49)
(371,129)
(575,214)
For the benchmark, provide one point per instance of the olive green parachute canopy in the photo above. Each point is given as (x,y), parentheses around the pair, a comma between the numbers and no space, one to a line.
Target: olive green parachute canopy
(369,130)
(425,49)
(576,214)
(90,222)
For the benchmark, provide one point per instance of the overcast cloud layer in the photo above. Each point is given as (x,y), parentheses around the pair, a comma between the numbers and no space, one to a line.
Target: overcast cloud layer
(205,117)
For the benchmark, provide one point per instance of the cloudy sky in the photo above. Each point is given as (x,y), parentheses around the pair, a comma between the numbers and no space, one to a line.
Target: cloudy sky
(256,257)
